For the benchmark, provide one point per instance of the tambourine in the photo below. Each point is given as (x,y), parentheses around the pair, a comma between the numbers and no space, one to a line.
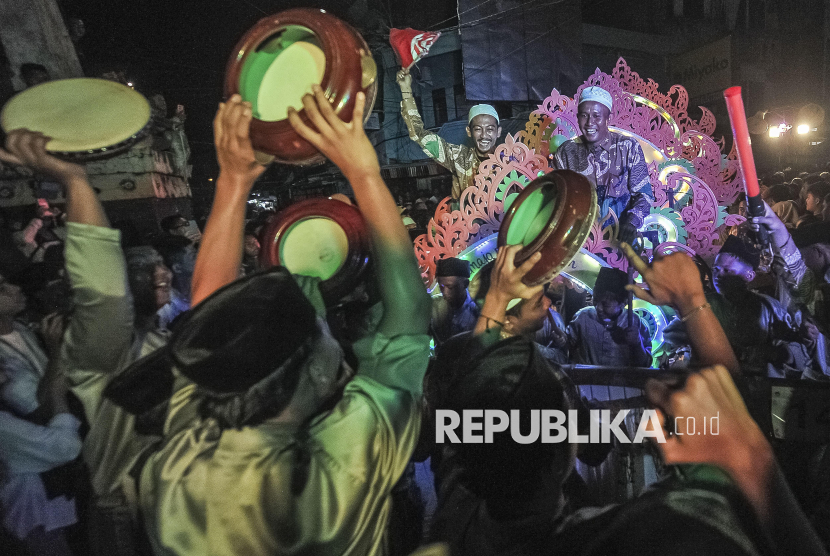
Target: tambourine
(324,238)
(275,63)
(87,118)
(553,216)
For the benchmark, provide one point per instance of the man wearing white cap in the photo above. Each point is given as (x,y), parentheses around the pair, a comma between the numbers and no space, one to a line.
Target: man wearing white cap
(614,163)
(482,125)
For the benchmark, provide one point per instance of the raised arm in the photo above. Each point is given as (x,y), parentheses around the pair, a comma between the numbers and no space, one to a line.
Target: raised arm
(406,305)
(675,281)
(739,447)
(220,254)
(28,148)
(432,144)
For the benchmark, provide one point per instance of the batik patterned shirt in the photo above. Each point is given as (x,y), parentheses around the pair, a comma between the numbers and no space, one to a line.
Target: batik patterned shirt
(461,160)
(617,168)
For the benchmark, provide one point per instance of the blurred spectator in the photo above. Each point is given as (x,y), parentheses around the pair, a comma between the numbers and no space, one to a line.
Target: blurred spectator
(606,334)
(455,311)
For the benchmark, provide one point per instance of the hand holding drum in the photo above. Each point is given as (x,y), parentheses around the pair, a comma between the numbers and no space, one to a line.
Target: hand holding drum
(85,119)
(281,59)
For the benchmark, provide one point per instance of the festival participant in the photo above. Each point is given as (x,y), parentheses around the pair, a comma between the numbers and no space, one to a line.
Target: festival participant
(37,431)
(602,335)
(613,163)
(108,330)
(455,311)
(266,452)
(506,497)
(760,329)
(462,161)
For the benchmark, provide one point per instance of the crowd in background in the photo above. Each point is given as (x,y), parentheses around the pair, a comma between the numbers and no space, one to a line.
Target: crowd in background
(170,396)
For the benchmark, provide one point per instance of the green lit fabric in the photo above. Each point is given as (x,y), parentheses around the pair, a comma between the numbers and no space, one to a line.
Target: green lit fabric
(99,341)
(213,492)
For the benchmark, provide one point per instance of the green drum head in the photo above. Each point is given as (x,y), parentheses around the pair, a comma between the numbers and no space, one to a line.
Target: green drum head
(314,246)
(280,71)
(532,216)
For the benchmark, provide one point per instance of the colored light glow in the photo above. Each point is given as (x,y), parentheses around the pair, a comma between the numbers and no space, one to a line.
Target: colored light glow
(650,151)
(582,271)
(661,111)
(803,128)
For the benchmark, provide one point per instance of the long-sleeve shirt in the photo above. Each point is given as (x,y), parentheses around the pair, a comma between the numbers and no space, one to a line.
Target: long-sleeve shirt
(447,322)
(617,168)
(461,160)
(219,492)
(101,340)
(26,450)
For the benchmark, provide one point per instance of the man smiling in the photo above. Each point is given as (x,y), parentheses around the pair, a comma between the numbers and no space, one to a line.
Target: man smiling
(614,163)
(482,125)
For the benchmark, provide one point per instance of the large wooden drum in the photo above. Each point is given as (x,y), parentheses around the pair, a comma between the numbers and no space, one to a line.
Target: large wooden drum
(86,118)
(553,215)
(324,238)
(277,62)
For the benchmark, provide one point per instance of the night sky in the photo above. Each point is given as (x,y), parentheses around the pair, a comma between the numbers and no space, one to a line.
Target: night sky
(180,47)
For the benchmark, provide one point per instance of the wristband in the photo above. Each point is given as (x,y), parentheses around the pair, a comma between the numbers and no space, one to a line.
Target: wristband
(695,311)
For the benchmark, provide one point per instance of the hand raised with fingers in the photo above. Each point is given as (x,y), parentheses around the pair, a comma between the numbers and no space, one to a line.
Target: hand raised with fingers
(231,135)
(344,143)
(672,280)
(28,148)
(507,277)
(732,439)
(404,79)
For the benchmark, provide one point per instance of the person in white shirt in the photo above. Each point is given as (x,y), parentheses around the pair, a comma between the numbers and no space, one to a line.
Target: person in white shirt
(37,431)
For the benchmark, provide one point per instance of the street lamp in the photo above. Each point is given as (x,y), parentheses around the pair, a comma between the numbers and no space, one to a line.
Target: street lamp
(774,131)
(803,128)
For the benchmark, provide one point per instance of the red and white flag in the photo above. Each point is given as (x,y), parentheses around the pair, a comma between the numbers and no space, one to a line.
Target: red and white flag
(411,45)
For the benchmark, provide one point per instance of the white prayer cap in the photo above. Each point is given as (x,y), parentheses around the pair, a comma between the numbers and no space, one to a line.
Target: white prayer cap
(596,94)
(480,109)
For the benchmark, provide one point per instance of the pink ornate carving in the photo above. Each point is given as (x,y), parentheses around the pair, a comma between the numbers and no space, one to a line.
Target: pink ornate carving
(640,108)
(509,169)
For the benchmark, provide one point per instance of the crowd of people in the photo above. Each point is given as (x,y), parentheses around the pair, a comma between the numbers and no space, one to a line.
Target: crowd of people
(174,398)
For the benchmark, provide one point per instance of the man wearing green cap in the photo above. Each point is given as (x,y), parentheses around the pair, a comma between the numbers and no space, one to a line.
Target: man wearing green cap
(462,161)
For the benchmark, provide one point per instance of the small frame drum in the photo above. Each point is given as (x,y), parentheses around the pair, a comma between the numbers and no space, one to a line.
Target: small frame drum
(325,238)
(86,118)
(553,215)
(277,62)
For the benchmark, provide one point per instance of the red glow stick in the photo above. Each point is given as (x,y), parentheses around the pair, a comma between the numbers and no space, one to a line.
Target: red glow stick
(737,116)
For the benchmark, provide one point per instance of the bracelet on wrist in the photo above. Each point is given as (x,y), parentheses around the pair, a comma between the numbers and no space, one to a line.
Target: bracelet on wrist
(695,311)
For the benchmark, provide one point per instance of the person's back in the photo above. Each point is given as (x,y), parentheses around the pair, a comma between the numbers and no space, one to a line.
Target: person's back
(271,447)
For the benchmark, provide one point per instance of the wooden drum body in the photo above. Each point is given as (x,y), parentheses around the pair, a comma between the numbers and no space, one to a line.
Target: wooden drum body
(553,215)
(277,62)
(324,238)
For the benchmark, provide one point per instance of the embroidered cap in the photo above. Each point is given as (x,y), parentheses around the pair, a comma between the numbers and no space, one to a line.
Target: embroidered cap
(596,94)
(480,109)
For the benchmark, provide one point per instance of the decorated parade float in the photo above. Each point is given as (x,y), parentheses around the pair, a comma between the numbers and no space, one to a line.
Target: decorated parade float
(692,176)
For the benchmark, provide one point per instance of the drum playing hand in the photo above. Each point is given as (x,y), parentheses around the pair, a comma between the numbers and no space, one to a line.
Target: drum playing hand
(672,280)
(231,134)
(506,279)
(345,144)
(28,148)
